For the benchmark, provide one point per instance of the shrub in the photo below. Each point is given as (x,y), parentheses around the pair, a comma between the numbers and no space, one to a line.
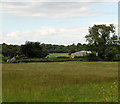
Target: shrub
(46,60)
(92,57)
(4,59)
(110,53)
(62,57)
(117,57)
(79,57)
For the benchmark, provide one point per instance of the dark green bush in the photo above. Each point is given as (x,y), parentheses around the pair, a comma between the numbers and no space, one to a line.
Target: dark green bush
(62,57)
(92,57)
(79,57)
(110,53)
(117,57)
(46,60)
(4,59)
(22,57)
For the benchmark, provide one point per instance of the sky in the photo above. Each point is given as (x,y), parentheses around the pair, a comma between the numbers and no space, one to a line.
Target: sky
(62,23)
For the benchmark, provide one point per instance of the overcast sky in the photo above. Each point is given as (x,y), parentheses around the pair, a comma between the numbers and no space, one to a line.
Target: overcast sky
(53,22)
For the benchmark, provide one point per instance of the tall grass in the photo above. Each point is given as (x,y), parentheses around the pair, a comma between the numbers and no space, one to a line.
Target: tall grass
(58,82)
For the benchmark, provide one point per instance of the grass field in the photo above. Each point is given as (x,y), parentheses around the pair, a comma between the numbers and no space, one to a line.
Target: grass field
(57,55)
(60,82)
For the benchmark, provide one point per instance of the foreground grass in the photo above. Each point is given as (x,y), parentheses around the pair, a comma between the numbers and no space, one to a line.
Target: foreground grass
(59,82)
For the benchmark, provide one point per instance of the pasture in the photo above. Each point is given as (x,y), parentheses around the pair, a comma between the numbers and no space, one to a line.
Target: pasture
(60,82)
(57,55)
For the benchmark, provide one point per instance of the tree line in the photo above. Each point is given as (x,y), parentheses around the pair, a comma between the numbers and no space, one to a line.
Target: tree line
(101,39)
(39,50)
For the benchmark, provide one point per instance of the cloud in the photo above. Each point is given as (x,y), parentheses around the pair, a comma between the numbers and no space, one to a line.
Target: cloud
(105,22)
(11,37)
(52,35)
(47,35)
(61,1)
(50,9)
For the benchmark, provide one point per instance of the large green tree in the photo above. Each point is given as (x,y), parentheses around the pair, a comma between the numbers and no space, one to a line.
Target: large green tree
(33,50)
(10,50)
(100,37)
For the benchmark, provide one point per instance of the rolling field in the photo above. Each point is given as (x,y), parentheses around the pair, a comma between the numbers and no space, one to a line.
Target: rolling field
(60,82)
(57,55)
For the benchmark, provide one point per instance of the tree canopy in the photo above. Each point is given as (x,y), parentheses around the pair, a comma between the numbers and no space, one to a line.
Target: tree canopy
(100,37)
(33,50)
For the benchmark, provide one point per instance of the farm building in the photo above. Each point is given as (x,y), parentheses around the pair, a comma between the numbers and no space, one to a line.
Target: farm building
(80,53)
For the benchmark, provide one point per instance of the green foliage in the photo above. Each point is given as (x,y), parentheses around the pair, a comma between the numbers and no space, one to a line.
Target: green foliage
(72,51)
(110,95)
(110,53)
(10,50)
(33,47)
(4,59)
(33,50)
(79,57)
(117,57)
(44,52)
(92,57)
(64,49)
(99,38)
(60,59)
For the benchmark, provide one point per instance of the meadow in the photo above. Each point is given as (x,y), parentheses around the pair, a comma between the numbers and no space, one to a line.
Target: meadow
(60,82)
(57,55)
